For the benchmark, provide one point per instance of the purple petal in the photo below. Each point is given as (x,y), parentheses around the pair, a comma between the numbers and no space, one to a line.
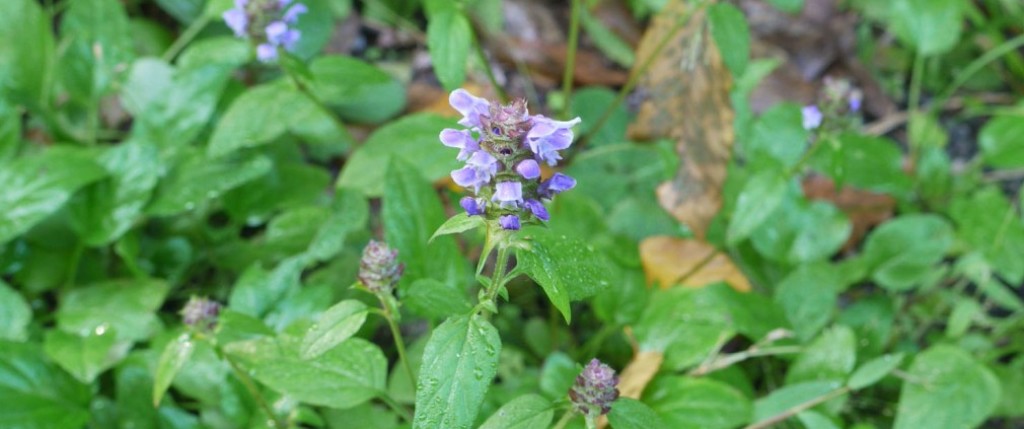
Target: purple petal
(509,222)
(266,52)
(811,117)
(290,38)
(276,32)
(461,139)
(291,16)
(241,4)
(237,21)
(548,136)
(484,163)
(473,206)
(528,169)
(508,194)
(538,209)
(470,106)
(555,185)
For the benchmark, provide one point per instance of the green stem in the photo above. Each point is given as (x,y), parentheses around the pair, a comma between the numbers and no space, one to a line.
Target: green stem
(564,420)
(76,258)
(570,58)
(497,278)
(486,64)
(914,101)
(399,341)
(391,403)
(190,33)
(250,385)
(975,66)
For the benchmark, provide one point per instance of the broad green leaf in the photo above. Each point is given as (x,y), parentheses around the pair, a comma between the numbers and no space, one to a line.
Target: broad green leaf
(778,136)
(950,390)
(965,310)
(808,295)
(459,364)
(176,353)
(606,40)
(1000,142)
(525,412)
(783,399)
(589,104)
(628,413)
(689,403)
(357,90)
(133,386)
(85,356)
(411,212)
(236,326)
(567,269)
(334,326)
(874,370)
(987,222)
(345,376)
(449,39)
(931,26)
(316,27)
(366,416)
(435,300)
(412,139)
(198,179)
(871,317)
(557,375)
(105,210)
(1012,378)
(760,196)
(816,420)
(35,186)
(259,116)
(35,394)
(126,306)
(459,223)
(350,213)
(865,162)
(183,10)
(732,35)
(636,170)
(10,130)
(902,251)
(15,314)
(229,51)
(830,357)
(791,6)
(99,46)
(257,291)
(25,65)
(288,185)
(802,231)
(685,324)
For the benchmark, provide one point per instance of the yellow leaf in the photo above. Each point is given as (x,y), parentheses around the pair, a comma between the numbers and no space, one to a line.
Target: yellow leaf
(670,261)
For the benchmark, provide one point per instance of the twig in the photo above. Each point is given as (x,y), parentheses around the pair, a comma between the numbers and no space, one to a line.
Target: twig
(799,408)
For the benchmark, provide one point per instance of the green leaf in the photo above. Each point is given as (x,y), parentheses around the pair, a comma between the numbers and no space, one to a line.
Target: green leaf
(183,10)
(36,186)
(816,420)
(865,162)
(525,412)
(610,44)
(459,364)
(435,300)
(732,36)
(350,213)
(126,306)
(589,104)
(685,324)
(950,390)
(105,210)
(228,51)
(874,370)
(830,357)
(25,65)
(411,212)
(567,269)
(871,317)
(1000,142)
(459,223)
(259,116)
(412,139)
(99,44)
(174,356)
(637,170)
(85,356)
(808,296)
(37,395)
(337,324)
(628,413)
(902,251)
(791,6)
(689,403)
(449,39)
(760,196)
(557,375)
(987,222)
(802,231)
(778,136)
(316,27)
(257,291)
(784,399)
(15,314)
(10,130)
(288,185)
(357,90)
(931,26)
(345,376)
(198,179)
(366,416)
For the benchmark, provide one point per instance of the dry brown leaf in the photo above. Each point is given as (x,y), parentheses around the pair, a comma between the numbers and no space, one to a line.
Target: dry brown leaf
(667,260)
(686,93)
(865,209)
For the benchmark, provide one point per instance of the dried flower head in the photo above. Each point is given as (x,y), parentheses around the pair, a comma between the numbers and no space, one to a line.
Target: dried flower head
(379,269)
(594,390)
(503,148)
(200,313)
(269,22)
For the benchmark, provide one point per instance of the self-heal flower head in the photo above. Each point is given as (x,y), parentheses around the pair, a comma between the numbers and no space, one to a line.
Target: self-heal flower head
(509,222)
(473,206)
(508,194)
(268,23)
(237,20)
(379,269)
(812,117)
(470,106)
(200,313)
(594,390)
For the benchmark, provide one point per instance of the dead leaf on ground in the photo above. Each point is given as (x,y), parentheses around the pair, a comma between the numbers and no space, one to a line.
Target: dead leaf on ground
(667,260)
(865,209)
(686,91)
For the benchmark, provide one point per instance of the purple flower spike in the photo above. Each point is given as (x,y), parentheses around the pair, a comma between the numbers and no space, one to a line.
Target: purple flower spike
(538,209)
(473,206)
(237,20)
(291,16)
(549,136)
(470,106)
(266,52)
(529,169)
(461,139)
(812,117)
(594,390)
(509,222)
(508,194)
(555,185)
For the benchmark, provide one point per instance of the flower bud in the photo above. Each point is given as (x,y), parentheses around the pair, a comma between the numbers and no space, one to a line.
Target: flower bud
(200,313)
(594,390)
(379,269)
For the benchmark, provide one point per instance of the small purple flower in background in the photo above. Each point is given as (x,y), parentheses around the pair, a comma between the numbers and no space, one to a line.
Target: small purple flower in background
(268,22)
(594,390)
(811,117)
(200,313)
(503,147)
(379,269)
